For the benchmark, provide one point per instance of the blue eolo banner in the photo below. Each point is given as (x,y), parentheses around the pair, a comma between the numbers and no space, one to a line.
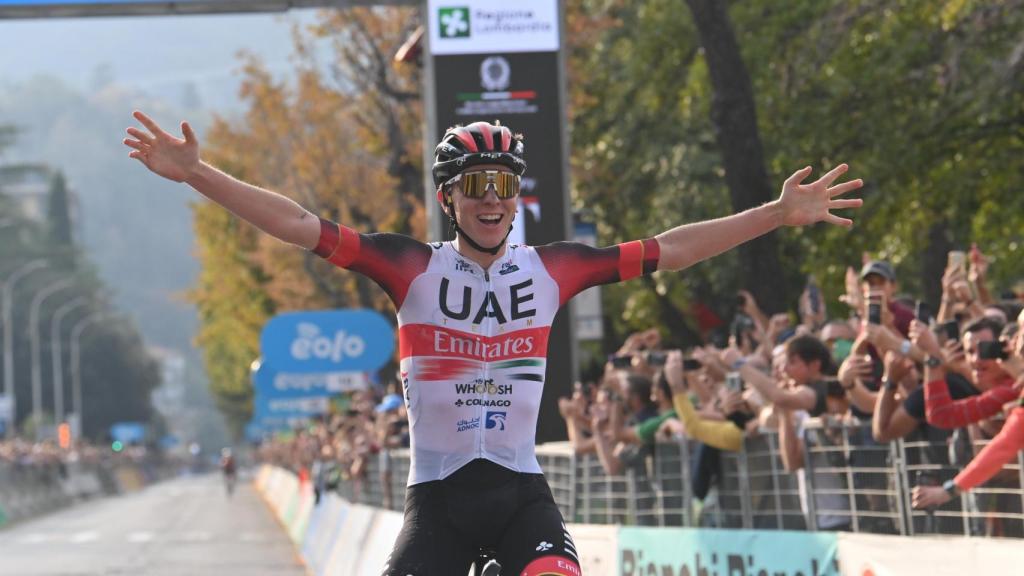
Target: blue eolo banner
(271,383)
(327,341)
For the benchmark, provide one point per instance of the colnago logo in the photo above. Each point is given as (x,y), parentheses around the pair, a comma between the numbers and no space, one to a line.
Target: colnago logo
(470,424)
(496,420)
(311,344)
(482,386)
(445,343)
(485,402)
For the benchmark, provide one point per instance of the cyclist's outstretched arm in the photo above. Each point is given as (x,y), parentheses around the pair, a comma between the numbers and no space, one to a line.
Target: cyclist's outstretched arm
(799,205)
(178,159)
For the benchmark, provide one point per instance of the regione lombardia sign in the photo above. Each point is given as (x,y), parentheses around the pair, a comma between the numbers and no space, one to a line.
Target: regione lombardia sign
(477,26)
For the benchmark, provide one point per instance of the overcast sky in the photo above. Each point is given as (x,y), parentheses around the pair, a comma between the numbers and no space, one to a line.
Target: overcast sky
(156,54)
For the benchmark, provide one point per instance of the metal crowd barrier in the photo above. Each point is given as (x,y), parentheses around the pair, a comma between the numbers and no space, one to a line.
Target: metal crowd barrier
(851,483)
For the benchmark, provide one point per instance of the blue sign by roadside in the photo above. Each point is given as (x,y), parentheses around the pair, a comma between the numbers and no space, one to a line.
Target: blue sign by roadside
(327,341)
(290,407)
(271,383)
(128,432)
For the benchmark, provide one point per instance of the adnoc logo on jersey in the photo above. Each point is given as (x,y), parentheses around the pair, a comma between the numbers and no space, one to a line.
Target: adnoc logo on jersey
(522,26)
(467,424)
(327,341)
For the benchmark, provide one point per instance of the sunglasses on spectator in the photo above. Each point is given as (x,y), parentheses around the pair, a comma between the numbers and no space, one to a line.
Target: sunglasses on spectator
(476,183)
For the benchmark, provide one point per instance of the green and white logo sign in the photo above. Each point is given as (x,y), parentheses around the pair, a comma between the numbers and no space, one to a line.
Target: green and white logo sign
(483,26)
(454,22)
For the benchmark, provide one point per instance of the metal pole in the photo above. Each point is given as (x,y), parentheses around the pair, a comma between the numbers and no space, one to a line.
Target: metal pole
(33,326)
(7,295)
(76,370)
(55,355)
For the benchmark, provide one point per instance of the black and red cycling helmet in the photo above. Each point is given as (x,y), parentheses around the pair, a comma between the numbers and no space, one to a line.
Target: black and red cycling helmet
(479,143)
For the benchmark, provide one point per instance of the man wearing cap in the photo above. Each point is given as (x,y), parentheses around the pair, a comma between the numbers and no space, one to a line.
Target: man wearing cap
(878,276)
(389,403)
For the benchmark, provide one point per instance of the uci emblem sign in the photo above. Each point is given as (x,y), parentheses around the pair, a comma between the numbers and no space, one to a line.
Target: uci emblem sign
(327,341)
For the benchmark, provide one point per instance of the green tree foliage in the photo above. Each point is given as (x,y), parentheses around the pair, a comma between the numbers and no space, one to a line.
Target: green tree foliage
(233,306)
(117,372)
(922,98)
(59,210)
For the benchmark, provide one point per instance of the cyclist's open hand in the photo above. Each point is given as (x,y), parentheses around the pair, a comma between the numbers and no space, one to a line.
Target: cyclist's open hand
(804,204)
(167,155)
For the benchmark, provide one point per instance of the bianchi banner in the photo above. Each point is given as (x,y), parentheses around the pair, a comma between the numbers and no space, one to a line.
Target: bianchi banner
(478,26)
(692,552)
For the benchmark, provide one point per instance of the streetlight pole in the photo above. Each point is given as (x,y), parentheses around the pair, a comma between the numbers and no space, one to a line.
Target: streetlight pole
(55,355)
(33,326)
(76,371)
(7,295)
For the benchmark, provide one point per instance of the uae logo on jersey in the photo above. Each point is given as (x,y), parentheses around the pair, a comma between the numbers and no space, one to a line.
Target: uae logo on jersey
(463,266)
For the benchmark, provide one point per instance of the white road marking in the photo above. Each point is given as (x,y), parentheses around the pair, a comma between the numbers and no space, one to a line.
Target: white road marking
(140,537)
(84,537)
(37,538)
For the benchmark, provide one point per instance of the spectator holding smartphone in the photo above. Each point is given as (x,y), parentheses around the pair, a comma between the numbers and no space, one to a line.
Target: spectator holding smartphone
(576,413)
(983,352)
(723,434)
(1003,448)
(808,362)
(878,277)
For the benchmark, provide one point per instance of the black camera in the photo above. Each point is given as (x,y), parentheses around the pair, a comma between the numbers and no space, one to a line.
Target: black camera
(656,357)
(622,361)
(992,350)
(691,365)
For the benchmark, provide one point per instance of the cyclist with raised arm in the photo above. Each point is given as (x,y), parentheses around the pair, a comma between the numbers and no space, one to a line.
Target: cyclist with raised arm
(474,316)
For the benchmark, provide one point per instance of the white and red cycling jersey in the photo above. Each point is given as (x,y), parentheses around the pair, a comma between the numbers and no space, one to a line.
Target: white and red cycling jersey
(473,342)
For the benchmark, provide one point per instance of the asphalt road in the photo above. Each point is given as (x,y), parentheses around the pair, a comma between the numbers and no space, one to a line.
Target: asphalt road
(187,526)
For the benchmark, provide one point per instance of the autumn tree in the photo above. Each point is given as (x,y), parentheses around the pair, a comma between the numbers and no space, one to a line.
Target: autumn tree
(345,142)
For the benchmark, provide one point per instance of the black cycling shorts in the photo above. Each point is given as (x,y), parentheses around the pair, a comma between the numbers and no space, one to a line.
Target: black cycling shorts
(483,506)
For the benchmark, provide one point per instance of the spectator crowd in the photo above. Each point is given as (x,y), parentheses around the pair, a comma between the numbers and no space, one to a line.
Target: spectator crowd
(892,368)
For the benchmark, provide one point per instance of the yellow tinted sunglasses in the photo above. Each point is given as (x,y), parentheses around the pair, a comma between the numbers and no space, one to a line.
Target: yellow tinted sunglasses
(475,184)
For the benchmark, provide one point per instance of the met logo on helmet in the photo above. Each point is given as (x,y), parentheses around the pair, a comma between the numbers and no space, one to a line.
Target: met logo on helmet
(454,22)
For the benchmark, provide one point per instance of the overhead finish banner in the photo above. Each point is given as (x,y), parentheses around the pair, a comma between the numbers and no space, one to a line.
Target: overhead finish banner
(494,60)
